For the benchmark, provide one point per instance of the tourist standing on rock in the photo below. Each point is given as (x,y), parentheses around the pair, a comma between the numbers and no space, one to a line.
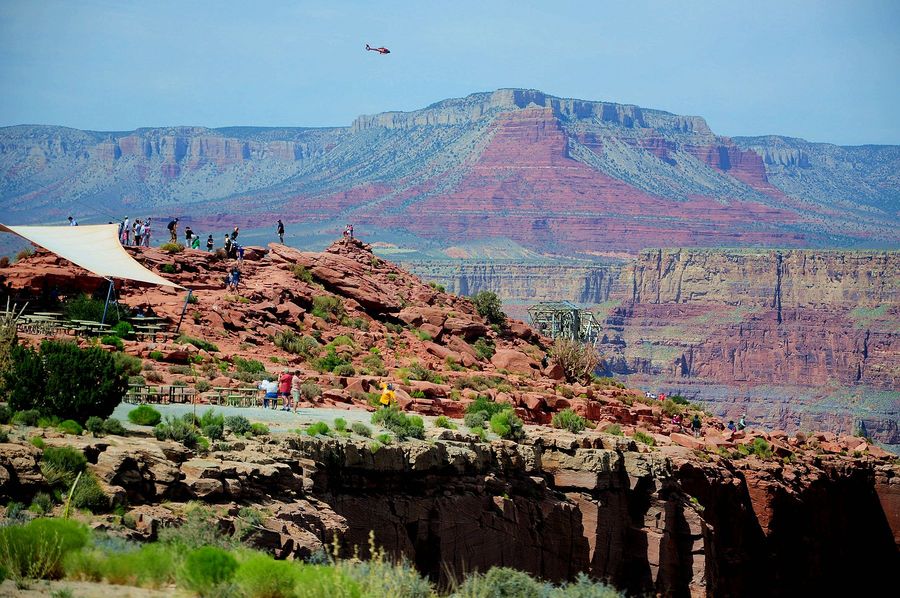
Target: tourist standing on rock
(696,425)
(284,389)
(280,231)
(195,242)
(227,245)
(742,423)
(173,230)
(138,232)
(146,235)
(270,388)
(234,234)
(209,243)
(188,236)
(126,230)
(731,425)
(235,278)
(239,252)
(134,232)
(72,221)
(676,420)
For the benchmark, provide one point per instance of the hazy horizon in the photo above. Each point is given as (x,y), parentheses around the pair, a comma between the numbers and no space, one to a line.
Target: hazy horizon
(817,71)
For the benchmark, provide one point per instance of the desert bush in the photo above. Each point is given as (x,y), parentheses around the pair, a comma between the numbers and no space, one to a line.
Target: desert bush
(602,381)
(83,307)
(301,273)
(6,414)
(670,408)
(64,460)
(476,420)
(152,565)
(113,426)
(328,308)
(36,550)
(156,355)
(442,421)
(172,248)
(127,364)
(200,528)
(250,366)
(70,426)
(310,390)
(94,425)
(213,431)
(261,576)
(197,342)
(206,570)
(112,340)
(577,360)
(26,417)
(361,429)
(645,438)
(417,371)
(168,269)
(4,436)
(89,495)
(614,429)
(584,587)
(344,370)
(340,424)
(489,307)
(202,385)
(499,582)
(569,420)
(42,503)
(238,424)
(144,415)
(305,346)
(330,361)
(178,430)
(84,565)
(318,429)
(507,424)
(484,348)
(402,425)
(315,581)
(258,429)
(65,380)
(122,329)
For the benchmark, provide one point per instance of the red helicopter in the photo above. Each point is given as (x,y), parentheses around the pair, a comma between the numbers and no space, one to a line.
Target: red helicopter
(381,50)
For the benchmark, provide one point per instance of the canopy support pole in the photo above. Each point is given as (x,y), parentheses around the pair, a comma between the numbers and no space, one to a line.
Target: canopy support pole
(106,305)
(183,310)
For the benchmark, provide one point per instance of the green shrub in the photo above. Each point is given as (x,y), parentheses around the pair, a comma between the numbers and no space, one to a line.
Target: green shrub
(113,426)
(488,306)
(375,364)
(402,425)
(206,570)
(760,448)
(64,459)
(4,438)
(82,307)
(250,366)
(153,566)
(38,442)
(88,494)
(199,343)
(569,420)
(178,430)
(476,420)
(144,415)
(670,408)
(70,426)
(317,581)
(200,528)
(42,503)
(122,329)
(127,364)
(417,371)
(506,424)
(384,438)
(305,346)
(301,273)
(94,425)
(645,438)
(202,385)
(84,565)
(36,550)
(261,576)
(65,381)
(361,429)
(342,341)
(344,370)
(340,424)
(238,424)
(500,582)
(328,308)
(172,247)
(584,587)
(421,334)
(156,355)
(26,417)
(213,431)
(258,429)
(679,400)
(330,361)
(310,390)
(318,429)
(483,403)
(484,348)
(443,421)
(614,429)
(6,414)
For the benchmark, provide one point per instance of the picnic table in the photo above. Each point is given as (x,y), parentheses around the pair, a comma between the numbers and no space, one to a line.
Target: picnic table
(235,397)
(90,325)
(144,393)
(151,330)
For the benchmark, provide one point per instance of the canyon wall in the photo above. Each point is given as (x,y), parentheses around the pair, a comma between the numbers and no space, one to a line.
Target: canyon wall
(796,339)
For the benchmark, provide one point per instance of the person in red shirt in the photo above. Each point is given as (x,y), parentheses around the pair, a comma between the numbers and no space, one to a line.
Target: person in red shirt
(284,389)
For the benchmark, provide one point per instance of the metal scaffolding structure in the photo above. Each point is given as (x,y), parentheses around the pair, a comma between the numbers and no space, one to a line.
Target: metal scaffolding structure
(562,319)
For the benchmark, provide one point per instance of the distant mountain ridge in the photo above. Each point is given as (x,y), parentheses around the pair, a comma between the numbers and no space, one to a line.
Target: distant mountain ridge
(553,174)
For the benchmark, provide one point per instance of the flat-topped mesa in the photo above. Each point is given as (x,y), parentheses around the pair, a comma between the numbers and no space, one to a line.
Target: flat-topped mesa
(488,104)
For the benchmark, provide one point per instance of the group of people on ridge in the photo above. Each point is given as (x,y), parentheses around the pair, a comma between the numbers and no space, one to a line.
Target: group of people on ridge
(134,233)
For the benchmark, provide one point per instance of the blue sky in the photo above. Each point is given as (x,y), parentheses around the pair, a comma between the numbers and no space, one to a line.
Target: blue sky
(824,70)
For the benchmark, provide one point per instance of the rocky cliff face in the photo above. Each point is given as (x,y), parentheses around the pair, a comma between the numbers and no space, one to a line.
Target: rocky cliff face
(556,175)
(794,338)
(556,505)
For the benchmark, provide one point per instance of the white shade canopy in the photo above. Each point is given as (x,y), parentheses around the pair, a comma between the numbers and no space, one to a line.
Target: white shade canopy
(96,248)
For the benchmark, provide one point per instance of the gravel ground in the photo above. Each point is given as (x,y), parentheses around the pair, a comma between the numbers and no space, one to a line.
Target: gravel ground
(277,420)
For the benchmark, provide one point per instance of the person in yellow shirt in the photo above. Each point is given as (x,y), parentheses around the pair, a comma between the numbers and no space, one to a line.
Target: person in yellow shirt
(387,394)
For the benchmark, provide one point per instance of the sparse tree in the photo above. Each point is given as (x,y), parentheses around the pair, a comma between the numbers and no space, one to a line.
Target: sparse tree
(578,360)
